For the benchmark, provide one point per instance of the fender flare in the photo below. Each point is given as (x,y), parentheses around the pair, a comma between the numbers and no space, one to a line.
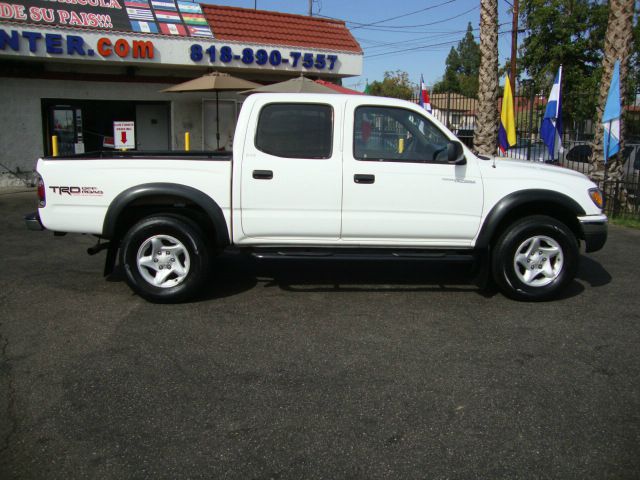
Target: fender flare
(124,198)
(501,209)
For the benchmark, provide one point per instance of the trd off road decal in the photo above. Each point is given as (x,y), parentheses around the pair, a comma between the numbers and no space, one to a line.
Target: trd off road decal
(77,191)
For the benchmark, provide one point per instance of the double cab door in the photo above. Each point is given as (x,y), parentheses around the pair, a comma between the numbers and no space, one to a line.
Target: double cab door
(352,172)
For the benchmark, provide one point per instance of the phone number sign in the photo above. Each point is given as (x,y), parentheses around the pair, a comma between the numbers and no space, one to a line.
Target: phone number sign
(262,57)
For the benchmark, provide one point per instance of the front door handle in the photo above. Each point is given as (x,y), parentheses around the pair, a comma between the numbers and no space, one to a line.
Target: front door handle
(263,174)
(362,178)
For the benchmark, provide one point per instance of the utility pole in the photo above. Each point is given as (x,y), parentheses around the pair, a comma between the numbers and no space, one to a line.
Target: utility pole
(311,8)
(514,45)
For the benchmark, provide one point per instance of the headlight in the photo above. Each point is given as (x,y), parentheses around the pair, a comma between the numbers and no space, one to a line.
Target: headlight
(596,197)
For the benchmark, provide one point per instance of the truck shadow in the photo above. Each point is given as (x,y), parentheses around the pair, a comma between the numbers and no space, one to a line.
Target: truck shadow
(235,273)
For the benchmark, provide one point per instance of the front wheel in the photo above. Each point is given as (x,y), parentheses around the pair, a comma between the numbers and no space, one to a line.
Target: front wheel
(535,258)
(165,258)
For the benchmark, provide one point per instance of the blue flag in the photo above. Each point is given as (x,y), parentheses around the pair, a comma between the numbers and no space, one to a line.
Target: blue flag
(611,115)
(551,128)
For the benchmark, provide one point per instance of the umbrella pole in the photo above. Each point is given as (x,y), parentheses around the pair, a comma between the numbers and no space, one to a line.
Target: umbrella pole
(217,123)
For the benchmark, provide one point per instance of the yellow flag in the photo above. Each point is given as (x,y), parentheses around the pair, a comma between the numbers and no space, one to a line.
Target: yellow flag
(507,128)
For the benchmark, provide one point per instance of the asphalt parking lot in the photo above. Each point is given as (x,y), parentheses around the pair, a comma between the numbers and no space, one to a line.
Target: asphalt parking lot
(313,370)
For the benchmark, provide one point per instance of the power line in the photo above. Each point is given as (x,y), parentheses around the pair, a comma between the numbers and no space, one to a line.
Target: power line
(402,28)
(422,47)
(412,40)
(362,25)
(406,43)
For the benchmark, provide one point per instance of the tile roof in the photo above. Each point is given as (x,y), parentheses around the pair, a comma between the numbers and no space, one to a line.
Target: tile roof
(274,28)
(338,88)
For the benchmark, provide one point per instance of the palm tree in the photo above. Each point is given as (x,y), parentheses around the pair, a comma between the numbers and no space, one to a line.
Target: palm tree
(486,132)
(617,46)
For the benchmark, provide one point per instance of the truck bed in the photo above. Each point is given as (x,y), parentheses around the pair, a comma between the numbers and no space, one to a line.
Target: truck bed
(81,187)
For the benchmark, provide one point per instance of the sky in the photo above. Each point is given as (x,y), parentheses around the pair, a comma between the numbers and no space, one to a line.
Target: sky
(417,43)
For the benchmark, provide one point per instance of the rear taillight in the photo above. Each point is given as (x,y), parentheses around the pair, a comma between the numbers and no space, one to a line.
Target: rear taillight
(41,193)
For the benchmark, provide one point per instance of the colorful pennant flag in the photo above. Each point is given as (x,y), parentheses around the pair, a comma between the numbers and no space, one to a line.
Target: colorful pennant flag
(611,115)
(189,7)
(425,102)
(194,19)
(163,5)
(551,128)
(200,31)
(172,29)
(507,127)
(136,3)
(140,14)
(168,16)
(144,27)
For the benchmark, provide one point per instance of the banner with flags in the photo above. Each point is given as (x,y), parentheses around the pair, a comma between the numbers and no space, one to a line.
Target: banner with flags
(425,102)
(611,115)
(507,127)
(551,128)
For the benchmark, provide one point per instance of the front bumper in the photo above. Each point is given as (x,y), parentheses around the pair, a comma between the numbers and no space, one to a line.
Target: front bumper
(32,220)
(594,231)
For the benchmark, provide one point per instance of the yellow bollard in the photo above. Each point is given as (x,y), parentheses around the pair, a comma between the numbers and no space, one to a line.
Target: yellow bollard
(54,145)
(187,141)
(400,145)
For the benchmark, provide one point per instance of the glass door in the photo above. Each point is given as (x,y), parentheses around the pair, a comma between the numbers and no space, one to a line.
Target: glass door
(66,124)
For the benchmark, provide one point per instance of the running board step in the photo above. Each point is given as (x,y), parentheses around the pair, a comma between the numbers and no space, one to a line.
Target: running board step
(345,254)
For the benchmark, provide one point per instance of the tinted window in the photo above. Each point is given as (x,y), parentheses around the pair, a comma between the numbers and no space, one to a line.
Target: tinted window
(295,130)
(396,134)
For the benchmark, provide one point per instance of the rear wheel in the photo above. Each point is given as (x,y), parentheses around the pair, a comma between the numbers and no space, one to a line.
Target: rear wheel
(165,258)
(535,258)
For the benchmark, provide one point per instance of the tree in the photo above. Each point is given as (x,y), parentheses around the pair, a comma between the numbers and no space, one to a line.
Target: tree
(617,46)
(462,67)
(568,33)
(450,81)
(395,84)
(486,133)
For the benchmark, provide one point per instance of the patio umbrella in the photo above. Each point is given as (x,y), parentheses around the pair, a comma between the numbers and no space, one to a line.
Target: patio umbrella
(212,82)
(295,85)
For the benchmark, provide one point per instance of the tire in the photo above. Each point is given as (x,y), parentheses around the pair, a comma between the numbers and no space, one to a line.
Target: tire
(165,258)
(540,242)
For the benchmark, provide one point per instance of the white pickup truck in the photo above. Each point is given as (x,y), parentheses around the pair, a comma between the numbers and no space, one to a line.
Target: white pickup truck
(325,176)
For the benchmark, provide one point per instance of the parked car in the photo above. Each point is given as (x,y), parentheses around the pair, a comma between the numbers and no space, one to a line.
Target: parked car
(577,158)
(313,176)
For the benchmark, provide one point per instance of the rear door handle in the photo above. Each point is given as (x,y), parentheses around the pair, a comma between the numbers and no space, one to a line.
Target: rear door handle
(362,178)
(263,174)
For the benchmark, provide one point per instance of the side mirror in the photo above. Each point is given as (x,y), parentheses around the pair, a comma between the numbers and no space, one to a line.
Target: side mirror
(455,154)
